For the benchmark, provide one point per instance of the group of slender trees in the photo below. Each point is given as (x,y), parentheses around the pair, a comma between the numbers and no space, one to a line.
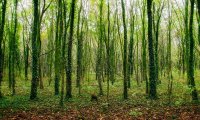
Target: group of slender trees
(60,39)
(108,44)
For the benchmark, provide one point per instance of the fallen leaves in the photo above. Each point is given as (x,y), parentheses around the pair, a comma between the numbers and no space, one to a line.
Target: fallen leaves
(115,112)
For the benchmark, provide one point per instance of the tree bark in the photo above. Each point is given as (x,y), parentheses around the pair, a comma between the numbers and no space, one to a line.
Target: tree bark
(152,79)
(70,44)
(4,2)
(34,52)
(125,91)
(191,55)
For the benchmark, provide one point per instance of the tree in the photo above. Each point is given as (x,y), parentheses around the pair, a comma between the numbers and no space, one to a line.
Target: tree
(191,55)
(198,8)
(131,45)
(58,39)
(169,60)
(79,49)
(186,38)
(152,79)
(34,52)
(144,44)
(2,23)
(99,65)
(64,51)
(69,55)
(13,51)
(125,94)
(108,53)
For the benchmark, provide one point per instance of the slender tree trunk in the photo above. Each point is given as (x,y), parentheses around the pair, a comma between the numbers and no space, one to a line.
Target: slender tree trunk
(144,54)
(186,39)
(13,49)
(4,2)
(191,55)
(59,30)
(169,61)
(99,65)
(50,45)
(137,59)
(113,51)
(198,7)
(125,94)
(152,79)
(130,58)
(79,50)
(39,48)
(63,51)
(108,54)
(70,44)
(34,52)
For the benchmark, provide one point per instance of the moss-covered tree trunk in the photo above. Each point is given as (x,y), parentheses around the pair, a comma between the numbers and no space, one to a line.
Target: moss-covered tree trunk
(144,44)
(33,94)
(13,51)
(131,45)
(79,49)
(152,79)
(58,39)
(169,59)
(108,52)
(63,67)
(198,8)
(99,63)
(69,55)
(186,39)
(125,90)
(2,23)
(191,55)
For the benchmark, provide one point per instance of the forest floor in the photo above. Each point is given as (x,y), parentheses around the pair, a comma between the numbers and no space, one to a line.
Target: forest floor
(112,113)
(47,106)
(118,112)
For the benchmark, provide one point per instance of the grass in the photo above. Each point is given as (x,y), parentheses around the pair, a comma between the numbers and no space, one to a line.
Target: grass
(47,99)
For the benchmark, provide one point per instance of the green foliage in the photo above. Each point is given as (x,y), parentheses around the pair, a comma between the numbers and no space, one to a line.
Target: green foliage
(135,113)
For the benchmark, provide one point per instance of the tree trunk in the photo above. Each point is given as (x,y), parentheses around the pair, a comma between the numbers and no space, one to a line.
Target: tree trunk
(144,54)
(63,51)
(131,45)
(108,54)
(34,52)
(169,61)
(125,94)
(58,39)
(70,44)
(198,7)
(186,39)
(99,65)
(4,2)
(13,49)
(79,49)
(152,79)
(191,55)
